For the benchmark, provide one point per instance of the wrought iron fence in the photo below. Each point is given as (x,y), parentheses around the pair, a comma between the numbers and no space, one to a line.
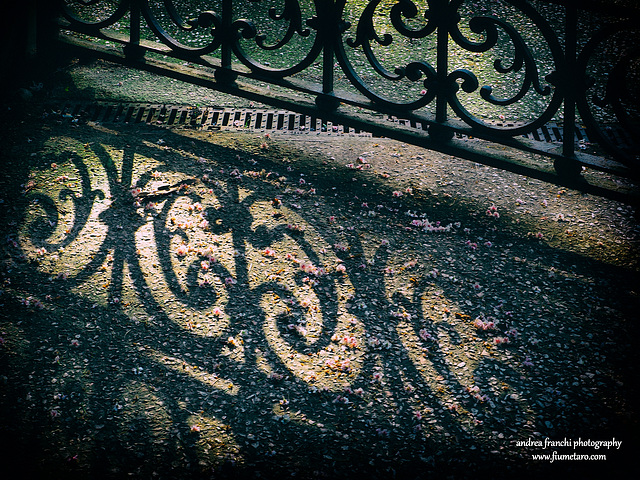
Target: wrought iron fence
(489,69)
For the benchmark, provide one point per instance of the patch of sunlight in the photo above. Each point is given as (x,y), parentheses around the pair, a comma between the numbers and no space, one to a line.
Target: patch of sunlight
(449,355)
(101,128)
(431,373)
(283,414)
(50,234)
(243,193)
(262,364)
(179,366)
(95,288)
(442,346)
(215,440)
(332,367)
(306,302)
(14,340)
(234,349)
(144,420)
(191,240)
(203,319)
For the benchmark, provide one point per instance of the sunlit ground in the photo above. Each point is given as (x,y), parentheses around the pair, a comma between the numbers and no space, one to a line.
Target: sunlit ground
(179,305)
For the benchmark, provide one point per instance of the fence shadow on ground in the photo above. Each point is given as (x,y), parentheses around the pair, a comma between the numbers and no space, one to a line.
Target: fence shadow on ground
(178,308)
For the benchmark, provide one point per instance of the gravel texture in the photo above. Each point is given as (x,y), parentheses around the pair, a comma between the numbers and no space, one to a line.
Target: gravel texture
(184,304)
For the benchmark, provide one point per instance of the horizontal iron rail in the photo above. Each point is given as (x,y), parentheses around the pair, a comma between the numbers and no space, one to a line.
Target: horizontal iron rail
(538,163)
(234,44)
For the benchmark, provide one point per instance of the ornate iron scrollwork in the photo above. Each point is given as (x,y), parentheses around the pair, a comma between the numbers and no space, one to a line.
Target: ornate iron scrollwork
(291,14)
(403,57)
(102,17)
(618,98)
(413,71)
(205,19)
(523,58)
(445,15)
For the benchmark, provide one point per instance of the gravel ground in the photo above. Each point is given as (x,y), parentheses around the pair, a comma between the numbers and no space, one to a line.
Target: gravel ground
(184,304)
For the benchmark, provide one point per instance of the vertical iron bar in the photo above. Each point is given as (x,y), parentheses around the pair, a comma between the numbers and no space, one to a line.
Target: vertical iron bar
(327,63)
(226,26)
(328,53)
(133,50)
(570,40)
(441,11)
(569,166)
(135,23)
(328,23)
(225,74)
(442,63)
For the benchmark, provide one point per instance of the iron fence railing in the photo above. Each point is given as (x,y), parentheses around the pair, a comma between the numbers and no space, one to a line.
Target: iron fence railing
(491,69)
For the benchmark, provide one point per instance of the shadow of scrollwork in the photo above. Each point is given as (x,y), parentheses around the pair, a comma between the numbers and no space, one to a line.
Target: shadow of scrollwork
(212,330)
